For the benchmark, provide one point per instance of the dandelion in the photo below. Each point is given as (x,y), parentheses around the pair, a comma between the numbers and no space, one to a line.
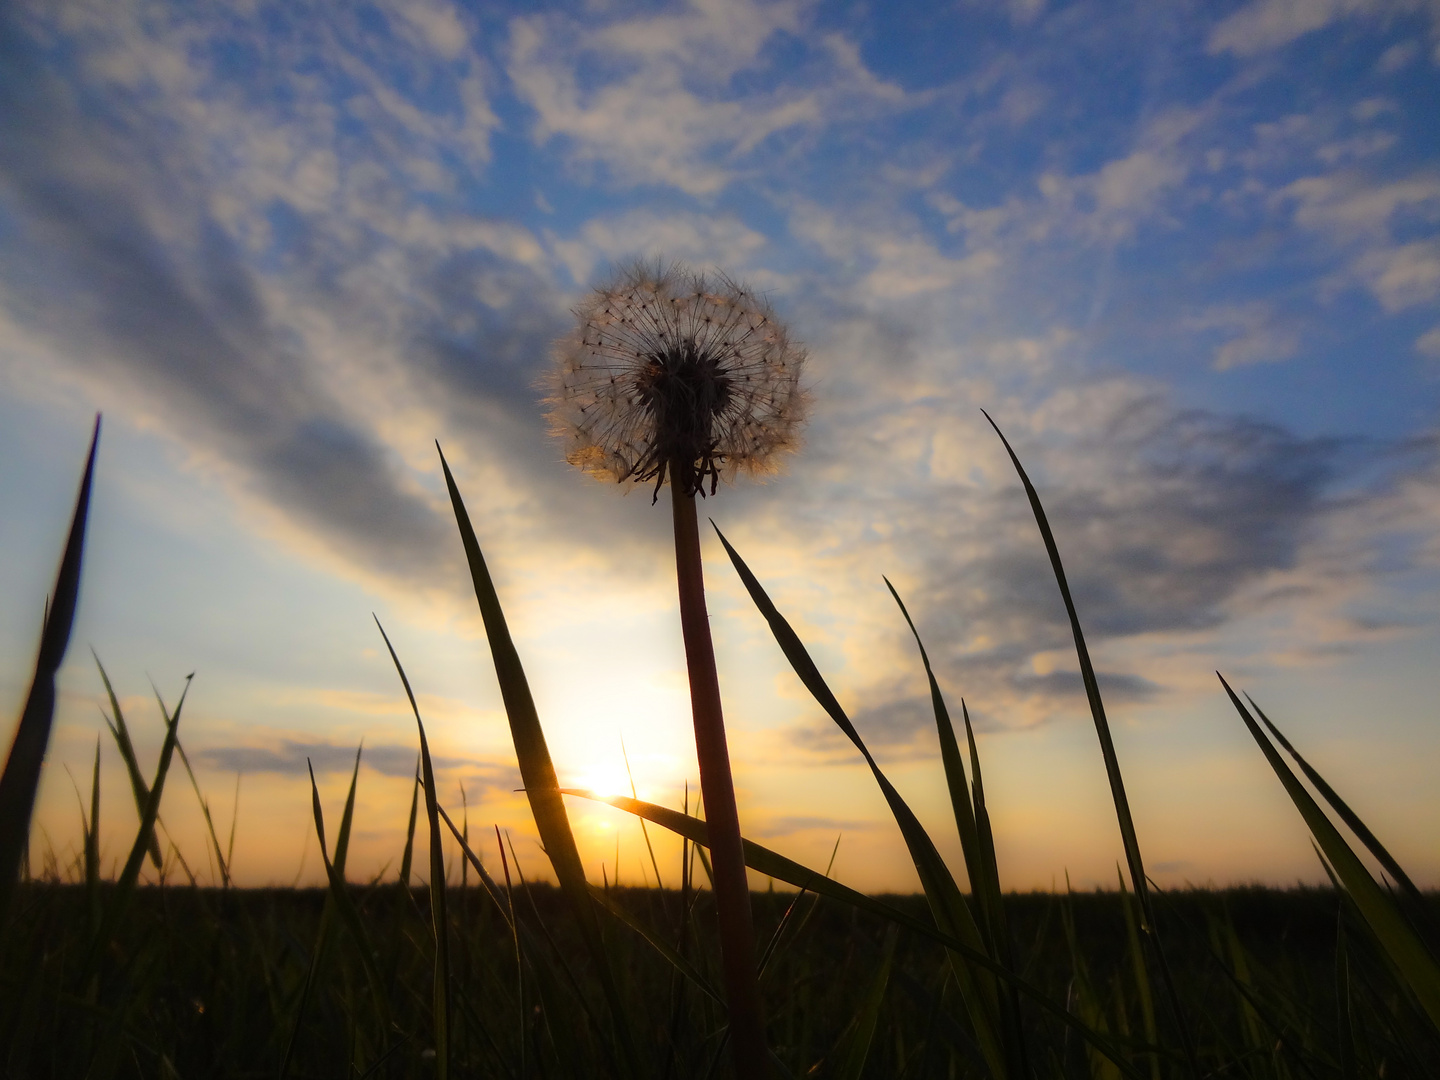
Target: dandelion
(670,375)
(673,376)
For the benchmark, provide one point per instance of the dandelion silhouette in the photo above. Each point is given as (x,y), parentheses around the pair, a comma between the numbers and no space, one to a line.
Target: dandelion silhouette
(673,376)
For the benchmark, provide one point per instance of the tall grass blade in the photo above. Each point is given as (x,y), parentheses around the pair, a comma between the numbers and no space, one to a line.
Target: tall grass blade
(21,778)
(989,863)
(948,906)
(130,874)
(491,887)
(92,827)
(408,856)
(340,895)
(537,771)
(1128,837)
(440,990)
(1381,914)
(327,913)
(1139,971)
(1012,1022)
(955,780)
(978,845)
(121,734)
(1350,818)
(205,811)
(1092,693)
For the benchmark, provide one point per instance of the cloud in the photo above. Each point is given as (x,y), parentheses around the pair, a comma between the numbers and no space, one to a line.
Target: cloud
(266,289)
(654,99)
(1269,24)
(290,757)
(1367,220)
(720,240)
(1255,335)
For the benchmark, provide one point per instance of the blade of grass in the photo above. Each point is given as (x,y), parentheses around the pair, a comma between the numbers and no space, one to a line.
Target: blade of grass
(1138,970)
(1092,693)
(773,864)
(440,993)
(515,938)
(1128,837)
(1012,1021)
(1352,820)
(92,843)
(409,855)
(121,734)
(537,771)
(200,797)
(955,780)
(340,895)
(1381,914)
(947,905)
(125,885)
(654,863)
(978,846)
(21,778)
(474,860)
(327,913)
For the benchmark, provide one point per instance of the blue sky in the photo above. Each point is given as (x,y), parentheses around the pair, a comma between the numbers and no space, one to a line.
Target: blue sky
(1187,255)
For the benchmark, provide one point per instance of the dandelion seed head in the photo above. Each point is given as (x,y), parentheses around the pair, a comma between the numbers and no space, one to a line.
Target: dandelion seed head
(670,374)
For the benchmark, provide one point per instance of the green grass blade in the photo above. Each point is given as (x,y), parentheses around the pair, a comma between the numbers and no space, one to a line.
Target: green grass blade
(1348,816)
(486,880)
(92,828)
(853,1048)
(408,857)
(537,771)
(347,818)
(947,904)
(1092,693)
(954,771)
(130,874)
(234,820)
(1139,971)
(1381,914)
(1012,1022)
(773,864)
(21,778)
(199,796)
(340,895)
(1128,837)
(440,991)
(989,863)
(978,845)
(121,734)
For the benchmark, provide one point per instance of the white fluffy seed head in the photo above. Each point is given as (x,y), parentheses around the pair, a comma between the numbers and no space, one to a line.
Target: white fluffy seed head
(670,374)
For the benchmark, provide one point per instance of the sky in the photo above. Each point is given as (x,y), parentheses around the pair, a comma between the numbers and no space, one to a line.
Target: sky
(1186,255)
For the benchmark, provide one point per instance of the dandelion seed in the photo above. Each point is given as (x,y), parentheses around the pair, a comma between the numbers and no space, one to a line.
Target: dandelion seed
(673,375)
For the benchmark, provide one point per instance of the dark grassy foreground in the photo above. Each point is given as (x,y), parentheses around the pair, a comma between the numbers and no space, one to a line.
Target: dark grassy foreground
(207,982)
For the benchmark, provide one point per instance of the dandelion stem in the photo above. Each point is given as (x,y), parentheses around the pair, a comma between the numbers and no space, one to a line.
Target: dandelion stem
(732,890)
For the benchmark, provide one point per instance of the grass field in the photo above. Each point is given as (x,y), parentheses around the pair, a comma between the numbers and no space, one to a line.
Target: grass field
(489,975)
(206,982)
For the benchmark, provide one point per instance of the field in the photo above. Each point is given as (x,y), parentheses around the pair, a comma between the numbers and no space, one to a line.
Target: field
(489,975)
(208,982)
